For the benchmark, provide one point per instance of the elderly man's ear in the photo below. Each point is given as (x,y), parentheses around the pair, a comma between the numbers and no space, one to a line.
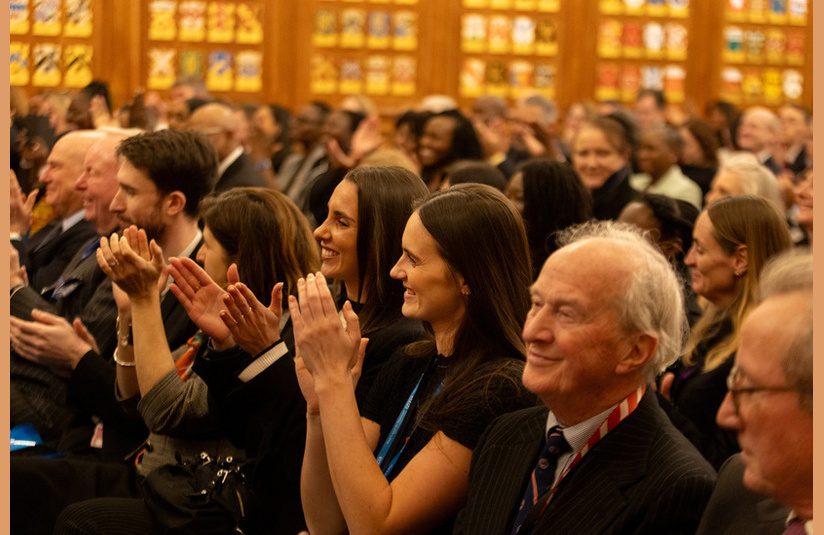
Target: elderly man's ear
(639,354)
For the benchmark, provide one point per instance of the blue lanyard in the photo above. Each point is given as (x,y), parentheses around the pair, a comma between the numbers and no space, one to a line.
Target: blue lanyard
(393,434)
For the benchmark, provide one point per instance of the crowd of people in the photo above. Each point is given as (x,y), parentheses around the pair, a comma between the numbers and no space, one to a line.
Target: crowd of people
(235,317)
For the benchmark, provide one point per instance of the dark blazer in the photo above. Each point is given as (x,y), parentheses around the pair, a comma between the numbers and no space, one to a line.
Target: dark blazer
(643,477)
(610,199)
(735,509)
(46,256)
(772,165)
(242,173)
(37,395)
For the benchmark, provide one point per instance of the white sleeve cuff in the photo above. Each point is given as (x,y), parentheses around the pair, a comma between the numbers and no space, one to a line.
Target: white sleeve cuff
(262,362)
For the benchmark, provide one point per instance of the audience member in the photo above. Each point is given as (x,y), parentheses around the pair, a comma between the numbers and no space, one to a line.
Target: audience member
(669,223)
(804,204)
(180,111)
(46,253)
(651,108)
(770,404)
(471,171)
(733,239)
(698,158)
(360,240)
(796,128)
(723,118)
(447,136)
(534,123)
(299,171)
(576,115)
(433,399)
(162,177)
(606,318)
(550,196)
(408,130)
(601,156)
(758,133)
(489,117)
(235,168)
(270,140)
(741,174)
(173,399)
(188,87)
(658,161)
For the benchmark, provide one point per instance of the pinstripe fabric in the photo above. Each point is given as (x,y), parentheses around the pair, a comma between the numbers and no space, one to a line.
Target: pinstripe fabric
(643,477)
(106,516)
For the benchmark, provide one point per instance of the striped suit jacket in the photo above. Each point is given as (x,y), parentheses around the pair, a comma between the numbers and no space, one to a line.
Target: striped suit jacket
(643,477)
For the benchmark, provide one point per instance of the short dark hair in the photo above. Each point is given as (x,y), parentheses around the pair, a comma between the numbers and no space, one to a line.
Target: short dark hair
(656,94)
(554,198)
(265,234)
(707,138)
(476,172)
(98,87)
(675,219)
(322,107)
(175,161)
(415,120)
(465,143)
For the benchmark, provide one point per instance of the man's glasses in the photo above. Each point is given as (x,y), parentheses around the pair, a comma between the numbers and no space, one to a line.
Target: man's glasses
(737,391)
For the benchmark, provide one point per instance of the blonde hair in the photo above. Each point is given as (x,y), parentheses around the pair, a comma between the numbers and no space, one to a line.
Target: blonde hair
(757,224)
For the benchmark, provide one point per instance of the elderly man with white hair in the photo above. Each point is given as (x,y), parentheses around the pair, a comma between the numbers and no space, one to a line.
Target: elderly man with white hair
(758,133)
(599,456)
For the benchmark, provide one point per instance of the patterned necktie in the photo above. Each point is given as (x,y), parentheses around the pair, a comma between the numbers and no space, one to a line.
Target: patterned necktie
(543,475)
(795,527)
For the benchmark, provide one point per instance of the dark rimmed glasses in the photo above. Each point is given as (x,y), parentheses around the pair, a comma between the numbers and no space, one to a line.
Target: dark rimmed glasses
(737,391)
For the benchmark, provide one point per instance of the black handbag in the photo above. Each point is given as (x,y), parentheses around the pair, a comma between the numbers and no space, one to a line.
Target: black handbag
(202,496)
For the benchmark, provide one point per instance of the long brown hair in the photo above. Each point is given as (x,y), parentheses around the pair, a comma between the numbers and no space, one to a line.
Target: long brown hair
(265,234)
(481,236)
(739,220)
(386,196)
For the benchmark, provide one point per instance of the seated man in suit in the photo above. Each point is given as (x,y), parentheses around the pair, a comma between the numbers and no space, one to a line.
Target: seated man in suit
(758,133)
(161,178)
(46,253)
(768,487)
(235,168)
(606,319)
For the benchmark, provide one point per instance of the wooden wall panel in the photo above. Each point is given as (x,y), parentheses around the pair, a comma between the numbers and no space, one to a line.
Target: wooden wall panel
(121,46)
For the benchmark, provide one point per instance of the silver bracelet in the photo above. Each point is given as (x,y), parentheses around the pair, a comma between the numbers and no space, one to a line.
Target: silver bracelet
(120,362)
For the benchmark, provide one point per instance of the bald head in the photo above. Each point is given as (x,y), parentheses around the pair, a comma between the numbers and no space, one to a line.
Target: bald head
(97,184)
(217,122)
(63,166)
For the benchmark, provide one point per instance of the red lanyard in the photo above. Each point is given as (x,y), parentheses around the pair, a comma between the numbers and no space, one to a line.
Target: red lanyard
(616,416)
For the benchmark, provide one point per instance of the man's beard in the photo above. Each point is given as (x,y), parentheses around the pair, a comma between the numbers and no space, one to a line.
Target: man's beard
(154,225)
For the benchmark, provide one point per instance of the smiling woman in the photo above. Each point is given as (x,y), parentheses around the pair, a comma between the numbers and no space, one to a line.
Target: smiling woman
(360,240)
(400,465)
(732,240)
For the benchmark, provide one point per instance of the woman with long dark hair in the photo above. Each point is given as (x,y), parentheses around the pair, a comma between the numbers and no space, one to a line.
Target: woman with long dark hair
(400,464)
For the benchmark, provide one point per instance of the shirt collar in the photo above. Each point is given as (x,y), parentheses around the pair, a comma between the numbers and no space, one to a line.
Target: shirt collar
(578,434)
(72,220)
(229,160)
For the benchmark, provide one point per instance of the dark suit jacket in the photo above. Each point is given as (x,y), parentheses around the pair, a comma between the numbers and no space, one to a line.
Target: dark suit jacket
(52,403)
(735,509)
(642,477)
(242,173)
(45,259)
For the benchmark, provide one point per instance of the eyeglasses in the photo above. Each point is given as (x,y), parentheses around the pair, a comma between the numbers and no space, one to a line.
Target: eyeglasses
(737,391)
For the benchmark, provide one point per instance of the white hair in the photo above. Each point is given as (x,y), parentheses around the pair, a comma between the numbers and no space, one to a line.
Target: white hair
(652,301)
(756,179)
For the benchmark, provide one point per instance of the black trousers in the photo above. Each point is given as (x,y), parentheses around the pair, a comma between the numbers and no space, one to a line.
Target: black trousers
(41,488)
